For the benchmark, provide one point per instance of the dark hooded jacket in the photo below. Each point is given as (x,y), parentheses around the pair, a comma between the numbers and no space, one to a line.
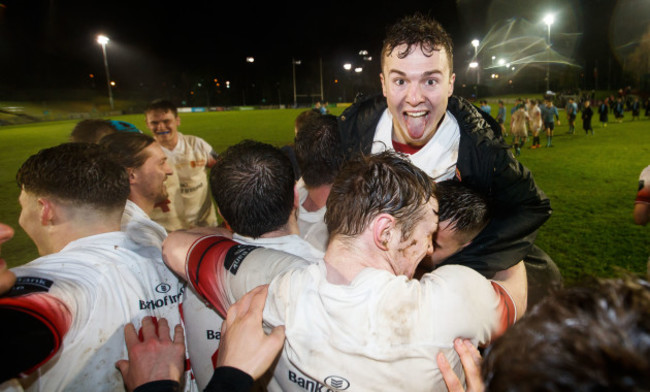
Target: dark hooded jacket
(485,164)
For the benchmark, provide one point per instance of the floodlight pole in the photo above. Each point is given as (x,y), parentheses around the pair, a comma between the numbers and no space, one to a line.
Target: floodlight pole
(475,44)
(295,97)
(548,19)
(103,40)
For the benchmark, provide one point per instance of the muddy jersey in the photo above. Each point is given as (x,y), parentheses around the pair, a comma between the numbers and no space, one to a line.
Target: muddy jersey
(189,191)
(86,293)
(362,336)
(203,323)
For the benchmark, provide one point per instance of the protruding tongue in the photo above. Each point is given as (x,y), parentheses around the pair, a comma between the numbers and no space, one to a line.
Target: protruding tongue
(415,126)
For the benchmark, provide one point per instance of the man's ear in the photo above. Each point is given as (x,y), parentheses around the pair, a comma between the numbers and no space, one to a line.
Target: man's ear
(132,175)
(383,229)
(452,79)
(383,85)
(48,210)
(178,120)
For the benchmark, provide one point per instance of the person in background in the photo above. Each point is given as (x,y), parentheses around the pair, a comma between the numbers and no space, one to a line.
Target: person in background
(189,203)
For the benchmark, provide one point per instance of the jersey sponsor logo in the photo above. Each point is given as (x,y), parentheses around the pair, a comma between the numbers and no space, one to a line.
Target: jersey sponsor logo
(236,256)
(29,284)
(164,301)
(163,288)
(185,188)
(336,382)
(213,335)
(198,163)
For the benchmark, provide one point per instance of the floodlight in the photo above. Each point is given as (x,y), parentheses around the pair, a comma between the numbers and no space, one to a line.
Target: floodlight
(473,64)
(347,66)
(549,19)
(358,69)
(475,43)
(102,39)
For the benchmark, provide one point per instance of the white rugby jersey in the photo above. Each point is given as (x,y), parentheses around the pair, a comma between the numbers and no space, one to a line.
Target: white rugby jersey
(366,336)
(190,194)
(363,336)
(311,224)
(141,229)
(104,282)
(203,324)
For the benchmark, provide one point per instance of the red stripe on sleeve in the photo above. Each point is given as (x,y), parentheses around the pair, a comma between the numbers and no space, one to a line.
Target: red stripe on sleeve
(643,196)
(206,270)
(49,312)
(506,310)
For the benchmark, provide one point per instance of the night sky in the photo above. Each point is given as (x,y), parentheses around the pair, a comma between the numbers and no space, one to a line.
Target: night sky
(51,44)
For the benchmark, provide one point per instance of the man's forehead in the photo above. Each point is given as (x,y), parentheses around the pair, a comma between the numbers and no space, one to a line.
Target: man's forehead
(159,113)
(437,56)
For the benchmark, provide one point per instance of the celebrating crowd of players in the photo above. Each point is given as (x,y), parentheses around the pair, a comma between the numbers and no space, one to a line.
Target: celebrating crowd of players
(407,243)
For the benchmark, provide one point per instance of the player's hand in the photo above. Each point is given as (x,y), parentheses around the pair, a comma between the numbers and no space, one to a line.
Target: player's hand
(244,345)
(471,360)
(156,357)
(558,123)
(7,278)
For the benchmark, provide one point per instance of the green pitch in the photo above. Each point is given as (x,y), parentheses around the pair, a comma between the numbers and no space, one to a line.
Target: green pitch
(591,181)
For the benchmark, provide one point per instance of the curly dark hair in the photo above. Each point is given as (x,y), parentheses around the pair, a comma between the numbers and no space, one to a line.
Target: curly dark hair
(81,173)
(381,183)
(418,31)
(593,337)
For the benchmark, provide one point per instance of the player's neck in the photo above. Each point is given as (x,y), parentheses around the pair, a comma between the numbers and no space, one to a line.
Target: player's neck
(316,198)
(290,228)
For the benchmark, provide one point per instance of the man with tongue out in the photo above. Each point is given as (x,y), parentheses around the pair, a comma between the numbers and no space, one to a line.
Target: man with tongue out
(448,138)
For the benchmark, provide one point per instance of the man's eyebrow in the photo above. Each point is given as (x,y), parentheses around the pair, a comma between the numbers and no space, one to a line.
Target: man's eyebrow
(427,73)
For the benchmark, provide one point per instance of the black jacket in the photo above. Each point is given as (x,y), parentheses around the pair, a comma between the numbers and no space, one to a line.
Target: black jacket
(485,164)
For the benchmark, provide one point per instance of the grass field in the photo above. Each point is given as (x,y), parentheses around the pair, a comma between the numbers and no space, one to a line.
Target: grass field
(591,181)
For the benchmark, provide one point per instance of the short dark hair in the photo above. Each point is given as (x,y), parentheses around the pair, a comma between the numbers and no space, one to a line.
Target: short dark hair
(126,148)
(369,185)
(467,210)
(418,32)
(81,173)
(593,337)
(161,104)
(304,117)
(318,150)
(91,130)
(253,185)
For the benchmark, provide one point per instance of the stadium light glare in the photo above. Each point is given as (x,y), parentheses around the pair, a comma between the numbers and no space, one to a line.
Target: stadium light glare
(548,19)
(103,40)
(347,66)
(250,59)
(358,69)
(473,64)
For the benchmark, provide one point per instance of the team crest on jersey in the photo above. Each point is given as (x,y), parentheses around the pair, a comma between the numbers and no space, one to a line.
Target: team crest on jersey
(236,256)
(29,284)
